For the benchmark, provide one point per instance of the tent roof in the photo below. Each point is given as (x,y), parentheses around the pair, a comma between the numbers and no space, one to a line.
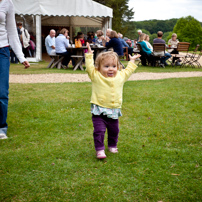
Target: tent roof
(81,8)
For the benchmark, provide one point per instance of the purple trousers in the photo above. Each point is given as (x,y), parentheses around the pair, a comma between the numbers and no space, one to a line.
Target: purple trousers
(100,124)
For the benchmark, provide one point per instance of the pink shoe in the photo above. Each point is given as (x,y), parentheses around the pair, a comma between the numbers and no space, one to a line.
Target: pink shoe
(101,154)
(113,149)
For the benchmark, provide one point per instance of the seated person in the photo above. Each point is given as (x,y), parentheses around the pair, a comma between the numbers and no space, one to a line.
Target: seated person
(173,42)
(146,52)
(91,37)
(129,42)
(124,45)
(100,40)
(160,40)
(50,43)
(147,42)
(135,46)
(61,43)
(108,33)
(114,43)
(80,36)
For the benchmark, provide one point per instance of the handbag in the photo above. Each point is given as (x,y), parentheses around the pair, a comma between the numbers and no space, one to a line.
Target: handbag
(78,43)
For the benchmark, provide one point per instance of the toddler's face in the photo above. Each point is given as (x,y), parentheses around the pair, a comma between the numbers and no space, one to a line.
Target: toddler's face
(109,67)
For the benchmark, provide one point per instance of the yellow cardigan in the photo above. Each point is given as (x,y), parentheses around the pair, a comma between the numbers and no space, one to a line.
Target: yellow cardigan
(107,92)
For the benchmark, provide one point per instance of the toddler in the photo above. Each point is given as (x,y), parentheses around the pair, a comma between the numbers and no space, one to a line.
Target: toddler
(106,98)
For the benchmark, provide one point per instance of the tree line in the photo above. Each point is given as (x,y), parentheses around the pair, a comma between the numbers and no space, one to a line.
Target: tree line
(187,28)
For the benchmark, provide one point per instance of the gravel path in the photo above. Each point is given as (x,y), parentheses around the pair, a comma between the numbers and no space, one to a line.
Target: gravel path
(64,78)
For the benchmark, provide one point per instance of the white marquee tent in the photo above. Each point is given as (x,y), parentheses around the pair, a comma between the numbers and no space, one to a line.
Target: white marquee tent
(71,13)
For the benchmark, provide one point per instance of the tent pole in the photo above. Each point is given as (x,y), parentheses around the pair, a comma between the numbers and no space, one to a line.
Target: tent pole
(110,23)
(38,38)
(70,31)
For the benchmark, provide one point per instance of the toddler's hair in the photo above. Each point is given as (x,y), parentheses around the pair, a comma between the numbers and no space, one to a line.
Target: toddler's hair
(108,54)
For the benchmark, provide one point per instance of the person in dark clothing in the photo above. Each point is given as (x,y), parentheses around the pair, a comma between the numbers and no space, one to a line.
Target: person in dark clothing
(114,43)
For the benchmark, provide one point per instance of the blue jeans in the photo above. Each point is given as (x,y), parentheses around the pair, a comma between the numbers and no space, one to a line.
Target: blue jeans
(166,57)
(4,86)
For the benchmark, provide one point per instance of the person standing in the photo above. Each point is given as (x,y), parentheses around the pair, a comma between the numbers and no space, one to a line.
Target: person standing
(50,43)
(25,39)
(106,99)
(139,33)
(8,37)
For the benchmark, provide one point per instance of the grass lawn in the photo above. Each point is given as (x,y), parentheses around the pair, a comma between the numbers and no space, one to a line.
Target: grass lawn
(40,68)
(49,155)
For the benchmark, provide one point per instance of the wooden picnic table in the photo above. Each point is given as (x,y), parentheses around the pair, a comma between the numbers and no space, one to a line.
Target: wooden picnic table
(78,54)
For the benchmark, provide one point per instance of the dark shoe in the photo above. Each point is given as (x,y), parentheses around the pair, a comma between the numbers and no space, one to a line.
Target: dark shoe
(166,64)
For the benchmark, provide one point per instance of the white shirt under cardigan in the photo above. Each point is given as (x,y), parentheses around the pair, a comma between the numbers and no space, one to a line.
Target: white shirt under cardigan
(8,30)
(149,45)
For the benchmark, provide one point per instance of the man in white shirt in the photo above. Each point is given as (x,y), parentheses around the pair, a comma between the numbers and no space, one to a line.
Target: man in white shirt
(50,43)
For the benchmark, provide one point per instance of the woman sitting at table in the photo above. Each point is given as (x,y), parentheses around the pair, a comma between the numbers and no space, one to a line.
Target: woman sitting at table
(173,42)
(114,43)
(100,40)
(91,37)
(147,42)
(146,52)
(61,43)
(80,36)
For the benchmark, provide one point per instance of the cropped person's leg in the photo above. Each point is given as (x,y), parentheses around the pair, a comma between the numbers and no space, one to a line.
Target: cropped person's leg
(4,86)
(99,132)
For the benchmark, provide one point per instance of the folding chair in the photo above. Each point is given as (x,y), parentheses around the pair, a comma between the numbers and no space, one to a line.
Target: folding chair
(158,53)
(125,54)
(194,60)
(182,47)
(194,57)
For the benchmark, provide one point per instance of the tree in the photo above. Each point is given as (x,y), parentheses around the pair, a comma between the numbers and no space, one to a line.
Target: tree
(189,29)
(121,13)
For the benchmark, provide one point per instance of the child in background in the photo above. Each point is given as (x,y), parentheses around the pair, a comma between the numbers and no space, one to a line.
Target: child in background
(100,38)
(106,99)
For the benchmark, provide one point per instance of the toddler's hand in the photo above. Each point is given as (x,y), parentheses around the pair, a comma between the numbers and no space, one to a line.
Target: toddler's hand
(134,57)
(89,48)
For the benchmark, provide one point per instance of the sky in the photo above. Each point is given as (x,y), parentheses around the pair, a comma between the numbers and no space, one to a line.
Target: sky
(165,9)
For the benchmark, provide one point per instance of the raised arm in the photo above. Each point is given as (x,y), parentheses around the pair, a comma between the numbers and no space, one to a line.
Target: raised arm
(131,67)
(90,68)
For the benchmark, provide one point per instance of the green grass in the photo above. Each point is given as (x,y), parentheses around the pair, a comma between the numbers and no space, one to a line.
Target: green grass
(40,68)
(49,155)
